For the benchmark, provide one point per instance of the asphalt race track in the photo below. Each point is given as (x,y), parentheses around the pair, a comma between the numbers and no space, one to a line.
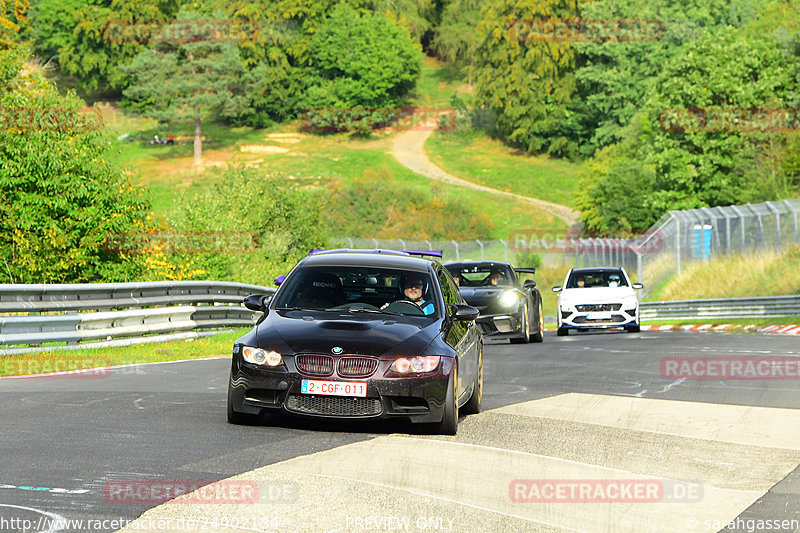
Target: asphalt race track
(591,407)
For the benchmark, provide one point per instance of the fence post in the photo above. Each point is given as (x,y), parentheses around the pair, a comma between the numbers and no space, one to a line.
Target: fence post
(792,209)
(456,245)
(677,238)
(505,249)
(777,226)
(481,245)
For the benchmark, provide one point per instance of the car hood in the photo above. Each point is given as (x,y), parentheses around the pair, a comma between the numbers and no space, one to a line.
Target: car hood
(482,296)
(313,332)
(596,295)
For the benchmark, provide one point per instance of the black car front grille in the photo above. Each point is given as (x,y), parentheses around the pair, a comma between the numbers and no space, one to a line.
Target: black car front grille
(588,308)
(356,367)
(315,365)
(334,405)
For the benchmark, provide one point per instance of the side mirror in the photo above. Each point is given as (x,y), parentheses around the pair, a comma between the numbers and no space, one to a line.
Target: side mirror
(279,280)
(256,302)
(637,285)
(529,284)
(557,288)
(464,313)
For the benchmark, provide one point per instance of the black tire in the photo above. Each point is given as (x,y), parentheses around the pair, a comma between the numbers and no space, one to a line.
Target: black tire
(562,332)
(633,329)
(526,329)
(449,423)
(538,336)
(473,406)
(235,417)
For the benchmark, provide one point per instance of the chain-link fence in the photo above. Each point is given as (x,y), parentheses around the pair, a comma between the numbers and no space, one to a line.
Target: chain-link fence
(682,237)
(678,238)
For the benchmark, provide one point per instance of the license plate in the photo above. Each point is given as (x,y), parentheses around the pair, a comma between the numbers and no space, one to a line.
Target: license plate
(334,388)
(598,316)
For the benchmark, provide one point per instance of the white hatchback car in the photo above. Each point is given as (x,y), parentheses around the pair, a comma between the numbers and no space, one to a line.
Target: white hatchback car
(598,297)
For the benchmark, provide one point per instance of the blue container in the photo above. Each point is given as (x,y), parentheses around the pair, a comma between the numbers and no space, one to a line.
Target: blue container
(701,241)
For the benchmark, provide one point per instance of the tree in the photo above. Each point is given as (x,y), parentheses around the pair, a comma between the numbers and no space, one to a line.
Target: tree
(526,80)
(457,40)
(13,20)
(81,34)
(61,200)
(360,59)
(197,78)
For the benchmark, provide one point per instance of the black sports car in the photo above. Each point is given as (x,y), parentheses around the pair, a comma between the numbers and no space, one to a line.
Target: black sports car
(509,309)
(361,335)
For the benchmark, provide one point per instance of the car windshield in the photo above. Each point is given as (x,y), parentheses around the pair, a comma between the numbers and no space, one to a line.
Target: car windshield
(596,278)
(359,290)
(483,276)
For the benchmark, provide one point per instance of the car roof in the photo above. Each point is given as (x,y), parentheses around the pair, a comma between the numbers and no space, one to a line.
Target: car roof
(596,269)
(482,264)
(369,259)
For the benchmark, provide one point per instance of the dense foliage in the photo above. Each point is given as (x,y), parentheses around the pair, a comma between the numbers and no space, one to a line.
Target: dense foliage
(60,199)
(248,227)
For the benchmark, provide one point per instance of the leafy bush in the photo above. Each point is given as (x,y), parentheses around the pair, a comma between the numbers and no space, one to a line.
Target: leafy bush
(248,226)
(60,199)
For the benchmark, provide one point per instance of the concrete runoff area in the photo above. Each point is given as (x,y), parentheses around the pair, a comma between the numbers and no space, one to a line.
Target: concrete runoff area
(553,464)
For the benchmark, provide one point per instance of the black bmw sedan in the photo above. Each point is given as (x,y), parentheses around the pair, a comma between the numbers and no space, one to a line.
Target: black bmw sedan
(509,308)
(361,335)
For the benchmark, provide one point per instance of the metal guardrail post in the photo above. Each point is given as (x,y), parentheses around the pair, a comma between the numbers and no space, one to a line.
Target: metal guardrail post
(481,245)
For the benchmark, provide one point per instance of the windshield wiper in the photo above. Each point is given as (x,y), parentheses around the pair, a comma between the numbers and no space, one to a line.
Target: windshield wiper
(366,310)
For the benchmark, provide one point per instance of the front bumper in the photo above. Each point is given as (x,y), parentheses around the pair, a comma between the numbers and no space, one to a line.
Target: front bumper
(617,316)
(421,399)
(502,325)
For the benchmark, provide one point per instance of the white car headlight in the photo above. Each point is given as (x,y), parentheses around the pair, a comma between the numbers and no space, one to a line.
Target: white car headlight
(509,299)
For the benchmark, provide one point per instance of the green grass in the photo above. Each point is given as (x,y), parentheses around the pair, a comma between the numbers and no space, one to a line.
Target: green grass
(65,360)
(738,322)
(486,161)
(437,84)
(765,274)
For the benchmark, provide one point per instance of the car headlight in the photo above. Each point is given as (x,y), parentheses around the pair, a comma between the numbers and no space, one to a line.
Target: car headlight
(417,365)
(257,356)
(509,299)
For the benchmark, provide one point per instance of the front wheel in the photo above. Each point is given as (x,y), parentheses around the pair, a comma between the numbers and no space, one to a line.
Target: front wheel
(449,423)
(633,329)
(538,336)
(562,332)
(526,329)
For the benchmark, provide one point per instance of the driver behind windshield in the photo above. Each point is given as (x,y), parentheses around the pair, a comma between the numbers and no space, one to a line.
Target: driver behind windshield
(412,292)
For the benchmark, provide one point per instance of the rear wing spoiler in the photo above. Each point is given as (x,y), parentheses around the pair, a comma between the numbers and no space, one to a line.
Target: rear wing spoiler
(432,253)
(525,270)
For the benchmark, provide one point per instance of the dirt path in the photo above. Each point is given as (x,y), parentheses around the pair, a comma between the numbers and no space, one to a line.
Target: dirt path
(409,150)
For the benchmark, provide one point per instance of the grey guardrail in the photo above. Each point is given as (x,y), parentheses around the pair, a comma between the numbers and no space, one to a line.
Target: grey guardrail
(48,317)
(722,308)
